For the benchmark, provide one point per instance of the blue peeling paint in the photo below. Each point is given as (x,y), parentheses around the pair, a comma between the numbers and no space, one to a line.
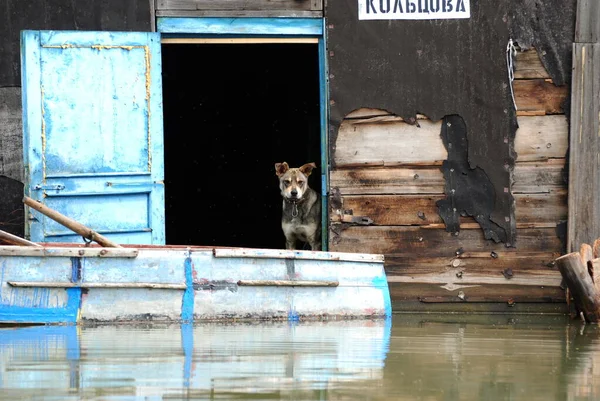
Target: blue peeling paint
(187,343)
(101,171)
(187,304)
(381,283)
(242,26)
(293,316)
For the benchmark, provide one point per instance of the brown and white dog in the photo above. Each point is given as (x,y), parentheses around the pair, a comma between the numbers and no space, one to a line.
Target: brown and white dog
(301,216)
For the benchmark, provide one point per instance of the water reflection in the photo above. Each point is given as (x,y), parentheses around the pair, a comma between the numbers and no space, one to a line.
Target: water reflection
(416,358)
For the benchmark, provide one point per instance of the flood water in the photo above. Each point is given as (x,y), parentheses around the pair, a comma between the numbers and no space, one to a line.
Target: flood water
(411,357)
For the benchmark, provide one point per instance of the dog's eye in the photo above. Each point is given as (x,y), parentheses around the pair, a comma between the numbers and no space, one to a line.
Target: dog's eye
(300,183)
(287,183)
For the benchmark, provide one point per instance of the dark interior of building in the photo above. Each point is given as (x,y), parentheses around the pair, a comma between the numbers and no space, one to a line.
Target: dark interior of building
(231,111)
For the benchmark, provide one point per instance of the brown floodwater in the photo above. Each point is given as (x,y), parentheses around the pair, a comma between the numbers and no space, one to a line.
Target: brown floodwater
(410,357)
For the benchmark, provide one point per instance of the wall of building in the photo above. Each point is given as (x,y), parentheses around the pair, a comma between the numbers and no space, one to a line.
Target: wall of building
(389,172)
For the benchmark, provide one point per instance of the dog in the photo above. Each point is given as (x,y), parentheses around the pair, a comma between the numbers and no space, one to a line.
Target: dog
(301,215)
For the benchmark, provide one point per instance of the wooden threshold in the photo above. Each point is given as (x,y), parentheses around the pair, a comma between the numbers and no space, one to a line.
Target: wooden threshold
(236,41)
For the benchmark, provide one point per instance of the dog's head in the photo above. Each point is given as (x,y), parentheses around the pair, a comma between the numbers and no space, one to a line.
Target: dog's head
(293,182)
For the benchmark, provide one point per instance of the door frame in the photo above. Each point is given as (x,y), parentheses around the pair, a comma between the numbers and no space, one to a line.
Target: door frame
(264,30)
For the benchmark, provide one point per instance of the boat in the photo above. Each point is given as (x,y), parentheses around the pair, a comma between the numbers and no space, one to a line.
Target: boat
(68,283)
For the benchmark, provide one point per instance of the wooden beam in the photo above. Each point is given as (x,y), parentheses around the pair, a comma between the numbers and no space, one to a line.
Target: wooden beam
(91,252)
(46,284)
(584,166)
(237,41)
(15,240)
(587,25)
(71,224)
(191,5)
(580,285)
(287,283)
(241,13)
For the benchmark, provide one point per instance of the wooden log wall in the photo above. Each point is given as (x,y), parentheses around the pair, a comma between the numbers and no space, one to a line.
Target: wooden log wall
(388,171)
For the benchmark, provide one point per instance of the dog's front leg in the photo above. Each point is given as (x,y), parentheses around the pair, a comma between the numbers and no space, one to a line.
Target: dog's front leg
(314,242)
(290,243)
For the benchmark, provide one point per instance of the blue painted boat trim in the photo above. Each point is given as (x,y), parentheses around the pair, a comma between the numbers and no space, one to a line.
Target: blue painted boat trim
(187,343)
(381,283)
(187,303)
(241,26)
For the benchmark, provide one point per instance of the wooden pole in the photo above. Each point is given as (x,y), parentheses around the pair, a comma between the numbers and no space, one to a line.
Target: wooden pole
(70,223)
(584,143)
(287,283)
(580,284)
(14,240)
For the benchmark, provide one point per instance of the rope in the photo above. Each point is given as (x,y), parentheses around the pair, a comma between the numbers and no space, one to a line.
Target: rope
(511,52)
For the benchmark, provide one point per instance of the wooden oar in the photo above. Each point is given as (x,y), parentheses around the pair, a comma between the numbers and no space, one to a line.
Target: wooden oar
(15,240)
(71,224)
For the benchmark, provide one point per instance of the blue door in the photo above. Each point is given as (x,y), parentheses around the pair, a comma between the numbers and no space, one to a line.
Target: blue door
(93,133)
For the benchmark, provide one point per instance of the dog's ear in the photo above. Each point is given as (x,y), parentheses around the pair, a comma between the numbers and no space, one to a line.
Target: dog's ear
(307,168)
(281,168)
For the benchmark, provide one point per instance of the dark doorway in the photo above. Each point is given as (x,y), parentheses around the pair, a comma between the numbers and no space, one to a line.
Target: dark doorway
(230,113)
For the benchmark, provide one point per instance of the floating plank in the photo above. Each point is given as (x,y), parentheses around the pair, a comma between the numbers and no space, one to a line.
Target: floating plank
(69,252)
(410,239)
(298,255)
(399,143)
(529,66)
(44,284)
(239,5)
(540,95)
(540,177)
(392,210)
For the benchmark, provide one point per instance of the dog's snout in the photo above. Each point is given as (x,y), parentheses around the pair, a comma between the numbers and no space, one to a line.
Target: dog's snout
(294,192)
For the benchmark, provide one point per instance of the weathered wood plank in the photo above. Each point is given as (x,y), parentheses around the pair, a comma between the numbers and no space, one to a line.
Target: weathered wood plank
(587,24)
(510,295)
(240,13)
(393,210)
(538,177)
(539,95)
(529,66)
(526,263)
(239,5)
(11,133)
(393,180)
(241,26)
(399,143)
(410,239)
(584,183)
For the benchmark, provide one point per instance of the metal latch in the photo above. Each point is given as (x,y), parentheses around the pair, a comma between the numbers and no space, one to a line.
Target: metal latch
(56,187)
